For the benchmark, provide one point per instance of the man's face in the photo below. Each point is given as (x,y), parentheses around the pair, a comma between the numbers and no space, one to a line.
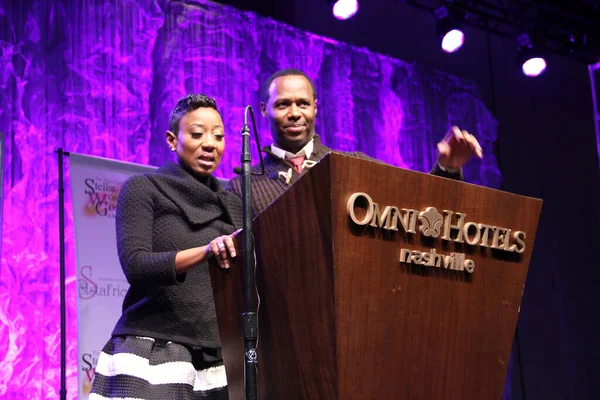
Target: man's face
(291,110)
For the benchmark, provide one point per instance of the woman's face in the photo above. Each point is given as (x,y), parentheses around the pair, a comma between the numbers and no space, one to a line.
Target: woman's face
(200,142)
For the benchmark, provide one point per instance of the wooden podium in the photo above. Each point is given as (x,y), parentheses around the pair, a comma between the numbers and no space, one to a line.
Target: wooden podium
(342,317)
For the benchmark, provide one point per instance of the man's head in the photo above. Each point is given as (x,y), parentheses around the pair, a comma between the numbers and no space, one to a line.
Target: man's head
(289,103)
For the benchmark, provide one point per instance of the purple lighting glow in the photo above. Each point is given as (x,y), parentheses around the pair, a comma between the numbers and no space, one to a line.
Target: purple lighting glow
(120,91)
(344,9)
(534,66)
(453,40)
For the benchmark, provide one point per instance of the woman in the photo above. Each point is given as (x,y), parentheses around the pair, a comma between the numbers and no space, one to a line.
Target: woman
(169,224)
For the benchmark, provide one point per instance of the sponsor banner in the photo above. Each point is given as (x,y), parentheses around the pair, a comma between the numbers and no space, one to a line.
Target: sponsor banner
(95,186)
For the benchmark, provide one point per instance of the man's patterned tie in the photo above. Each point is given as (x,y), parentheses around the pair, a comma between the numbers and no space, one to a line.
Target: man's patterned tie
(297,162)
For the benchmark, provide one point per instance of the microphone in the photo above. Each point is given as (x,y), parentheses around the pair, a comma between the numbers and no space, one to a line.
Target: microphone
(246,156)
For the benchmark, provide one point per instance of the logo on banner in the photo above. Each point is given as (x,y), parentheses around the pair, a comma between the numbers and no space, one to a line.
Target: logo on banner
(89,288)
(102,197)
(88,366)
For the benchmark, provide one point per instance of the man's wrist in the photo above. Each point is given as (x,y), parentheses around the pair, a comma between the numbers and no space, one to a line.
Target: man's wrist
(448,170)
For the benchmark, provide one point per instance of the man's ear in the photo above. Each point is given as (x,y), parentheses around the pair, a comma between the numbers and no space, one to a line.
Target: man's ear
(316,108)
(263,109)
(171,140)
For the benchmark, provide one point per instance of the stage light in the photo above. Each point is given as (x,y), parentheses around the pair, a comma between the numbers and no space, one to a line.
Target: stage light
(534,66)
(453,40)
(530,57)
(448,29)
(344,9)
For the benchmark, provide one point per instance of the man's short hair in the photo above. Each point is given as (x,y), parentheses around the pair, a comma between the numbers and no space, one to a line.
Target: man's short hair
(284,72)
(187,104)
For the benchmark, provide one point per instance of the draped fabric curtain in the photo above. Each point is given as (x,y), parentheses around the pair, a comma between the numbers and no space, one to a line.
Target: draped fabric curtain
(100,78)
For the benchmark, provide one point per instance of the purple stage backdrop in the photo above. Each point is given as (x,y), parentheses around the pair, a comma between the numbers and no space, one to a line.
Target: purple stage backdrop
(100,77)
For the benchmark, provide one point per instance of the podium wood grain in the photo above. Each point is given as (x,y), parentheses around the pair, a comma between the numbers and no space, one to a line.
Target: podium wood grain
(341,318)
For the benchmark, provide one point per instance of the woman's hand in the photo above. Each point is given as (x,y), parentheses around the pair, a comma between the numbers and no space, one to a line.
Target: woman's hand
(223,249)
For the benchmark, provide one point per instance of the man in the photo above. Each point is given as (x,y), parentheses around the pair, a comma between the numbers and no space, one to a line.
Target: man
(290,105)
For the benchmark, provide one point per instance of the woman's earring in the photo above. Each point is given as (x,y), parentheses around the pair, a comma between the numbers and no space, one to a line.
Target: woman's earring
(172,148)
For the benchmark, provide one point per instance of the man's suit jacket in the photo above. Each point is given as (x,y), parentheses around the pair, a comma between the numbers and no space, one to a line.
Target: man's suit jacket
(276,180)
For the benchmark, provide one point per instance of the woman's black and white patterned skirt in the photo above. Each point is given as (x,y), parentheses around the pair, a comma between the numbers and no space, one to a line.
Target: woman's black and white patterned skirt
(131,367)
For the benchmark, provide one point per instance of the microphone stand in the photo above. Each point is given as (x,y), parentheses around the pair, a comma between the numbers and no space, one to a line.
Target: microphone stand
(250,315)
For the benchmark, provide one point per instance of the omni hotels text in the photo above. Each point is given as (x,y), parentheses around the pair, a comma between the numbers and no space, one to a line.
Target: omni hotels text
(451,226)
